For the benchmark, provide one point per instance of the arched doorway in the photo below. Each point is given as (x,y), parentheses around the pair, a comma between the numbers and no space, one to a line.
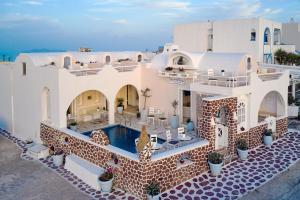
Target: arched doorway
(46,105)
(67,62)
(272,105)
(128,97)
(89,110)
(107,59)
(221,128)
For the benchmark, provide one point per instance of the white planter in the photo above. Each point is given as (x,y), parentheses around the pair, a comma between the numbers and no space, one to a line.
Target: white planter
(120,110)
(29,145)
(106,185)
(215,168)
(243,154)
(149,197)
(58,160)
(174,121)
(293,111)
(74,128)
(268,140)
(143,115)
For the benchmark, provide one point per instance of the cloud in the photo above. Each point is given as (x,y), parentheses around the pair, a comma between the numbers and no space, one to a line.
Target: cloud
(180,5)
(168,14)
(120,21)
(26,22)
(33,2)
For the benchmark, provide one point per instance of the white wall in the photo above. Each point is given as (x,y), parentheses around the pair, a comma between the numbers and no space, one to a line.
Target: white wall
(163,92)
(6,115)
(192,37)
(291,34)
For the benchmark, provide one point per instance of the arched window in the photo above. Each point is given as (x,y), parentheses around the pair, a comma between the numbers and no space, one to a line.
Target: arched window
(46,104)
(67,62)
(253,35)
(180,60)
(277,36)
(107,59)
(248,63)
(241,112)
(139,58)
(267,36)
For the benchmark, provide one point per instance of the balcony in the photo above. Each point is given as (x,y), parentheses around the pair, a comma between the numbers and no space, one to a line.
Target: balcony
(223,79)
(94,68)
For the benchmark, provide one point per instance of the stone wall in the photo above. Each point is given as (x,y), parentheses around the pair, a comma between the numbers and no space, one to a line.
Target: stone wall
(131,176)
(210,108)
(282,126)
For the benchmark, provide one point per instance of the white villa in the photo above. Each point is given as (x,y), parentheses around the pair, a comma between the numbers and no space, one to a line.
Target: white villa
(224,92)
(258,37)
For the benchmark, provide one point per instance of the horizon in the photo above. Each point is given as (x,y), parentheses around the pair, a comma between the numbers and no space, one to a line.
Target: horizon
(114,25)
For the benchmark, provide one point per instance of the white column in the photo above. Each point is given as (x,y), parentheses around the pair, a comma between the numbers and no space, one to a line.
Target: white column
(111,112)
(293,89)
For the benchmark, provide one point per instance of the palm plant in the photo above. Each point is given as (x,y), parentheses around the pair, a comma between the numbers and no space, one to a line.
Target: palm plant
(145,94)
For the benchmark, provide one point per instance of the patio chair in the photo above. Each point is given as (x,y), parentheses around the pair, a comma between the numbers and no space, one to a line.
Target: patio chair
(168,135)
(210,73)
(154,144)
(182,135)
(151,116)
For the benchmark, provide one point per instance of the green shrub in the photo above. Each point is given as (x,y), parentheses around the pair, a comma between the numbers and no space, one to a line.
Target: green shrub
(215,158)
(153,188)
(242,144)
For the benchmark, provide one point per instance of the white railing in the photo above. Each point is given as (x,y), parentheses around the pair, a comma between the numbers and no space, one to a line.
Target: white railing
(270,76)
(85,72)
(127,68)
(224,81)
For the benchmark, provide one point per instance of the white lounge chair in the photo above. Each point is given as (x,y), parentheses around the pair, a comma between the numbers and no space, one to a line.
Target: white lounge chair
(151,116)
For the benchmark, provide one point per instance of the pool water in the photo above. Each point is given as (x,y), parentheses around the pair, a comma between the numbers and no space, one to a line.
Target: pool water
(122,137)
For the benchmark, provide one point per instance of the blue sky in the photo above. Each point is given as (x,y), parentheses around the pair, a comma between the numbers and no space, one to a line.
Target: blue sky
(119,24)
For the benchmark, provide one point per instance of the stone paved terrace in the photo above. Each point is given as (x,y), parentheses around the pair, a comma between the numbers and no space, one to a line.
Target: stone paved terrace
(237,178)
(240,177)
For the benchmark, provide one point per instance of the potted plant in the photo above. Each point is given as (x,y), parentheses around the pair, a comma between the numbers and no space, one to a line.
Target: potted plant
(169,68)
(106,180)
(174,119)
(120,105)
(146,95)
(242,148)
(58,157)
(153,191)
(190,125)
(115,159)
(73,126)
(215,161)
(268,137)
(29,143)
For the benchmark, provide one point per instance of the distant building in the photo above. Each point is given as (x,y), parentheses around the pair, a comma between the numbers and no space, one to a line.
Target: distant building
(291,33)
(257,36)
(84,49)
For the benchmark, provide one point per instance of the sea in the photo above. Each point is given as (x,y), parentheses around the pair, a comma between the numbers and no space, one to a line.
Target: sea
(10,56)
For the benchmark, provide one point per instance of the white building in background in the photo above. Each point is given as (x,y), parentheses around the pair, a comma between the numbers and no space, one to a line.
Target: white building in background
(257,36)
(291,33)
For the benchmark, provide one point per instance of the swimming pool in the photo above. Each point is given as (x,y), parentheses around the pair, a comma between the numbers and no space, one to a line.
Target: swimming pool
(122,137)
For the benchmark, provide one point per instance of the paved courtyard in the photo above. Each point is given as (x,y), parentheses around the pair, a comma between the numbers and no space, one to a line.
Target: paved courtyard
(26,179)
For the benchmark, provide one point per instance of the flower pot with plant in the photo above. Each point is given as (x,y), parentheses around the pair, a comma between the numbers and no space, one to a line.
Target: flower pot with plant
(190,125)
(242,148)
(153,191)
(120,105)
(58,157)
(215,162)
(73,126)
(106,180)
(29,143)
(146,95)
(174,119)
(268,137)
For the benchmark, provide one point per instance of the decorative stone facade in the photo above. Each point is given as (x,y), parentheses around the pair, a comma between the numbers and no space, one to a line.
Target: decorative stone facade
(131,176)
(99,137)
